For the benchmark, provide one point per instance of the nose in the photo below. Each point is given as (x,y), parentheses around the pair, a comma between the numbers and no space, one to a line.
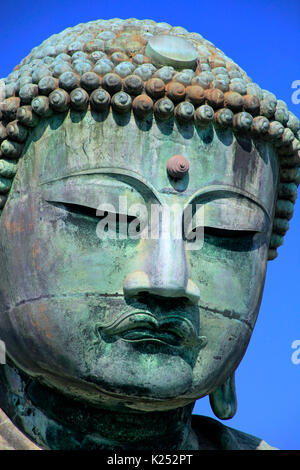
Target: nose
(163,272)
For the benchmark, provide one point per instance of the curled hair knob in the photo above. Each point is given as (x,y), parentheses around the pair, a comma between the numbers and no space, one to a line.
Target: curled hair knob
(177,166)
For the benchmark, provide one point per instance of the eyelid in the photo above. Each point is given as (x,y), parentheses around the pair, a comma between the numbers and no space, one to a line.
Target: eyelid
(216,191)
(90,192)
(127,177)
(231,215)
(89,211)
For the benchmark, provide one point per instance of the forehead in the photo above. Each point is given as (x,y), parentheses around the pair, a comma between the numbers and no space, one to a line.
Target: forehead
(62,146)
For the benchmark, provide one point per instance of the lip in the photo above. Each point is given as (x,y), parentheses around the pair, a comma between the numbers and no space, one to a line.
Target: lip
(173,330)
(144,334)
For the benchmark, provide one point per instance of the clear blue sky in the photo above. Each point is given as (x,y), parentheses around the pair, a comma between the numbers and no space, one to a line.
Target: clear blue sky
(263,37)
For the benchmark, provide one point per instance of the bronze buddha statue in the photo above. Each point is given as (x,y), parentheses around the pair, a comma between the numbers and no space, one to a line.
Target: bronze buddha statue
(111,338)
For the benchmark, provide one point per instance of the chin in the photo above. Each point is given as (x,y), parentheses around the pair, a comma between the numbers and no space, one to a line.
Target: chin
(138,381)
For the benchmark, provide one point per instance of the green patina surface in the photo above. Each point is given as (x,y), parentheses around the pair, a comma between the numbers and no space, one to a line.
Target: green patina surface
(112,338)
(64,284)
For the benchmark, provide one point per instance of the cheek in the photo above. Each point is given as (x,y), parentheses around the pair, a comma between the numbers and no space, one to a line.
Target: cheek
(231,284)
(231,278)
(86,263)
(48,252)
(227,341)
(57,333)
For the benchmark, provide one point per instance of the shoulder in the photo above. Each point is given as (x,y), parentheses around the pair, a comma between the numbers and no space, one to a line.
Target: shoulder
(213,435)
(11,438)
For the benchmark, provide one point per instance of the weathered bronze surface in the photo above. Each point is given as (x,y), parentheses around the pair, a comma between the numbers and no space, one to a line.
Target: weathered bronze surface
(111,339)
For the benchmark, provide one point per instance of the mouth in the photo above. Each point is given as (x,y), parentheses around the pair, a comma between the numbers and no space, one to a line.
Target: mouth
(173,330)
(144,334)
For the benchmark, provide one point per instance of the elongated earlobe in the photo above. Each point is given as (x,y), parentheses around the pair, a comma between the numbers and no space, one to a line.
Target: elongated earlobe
(223,400)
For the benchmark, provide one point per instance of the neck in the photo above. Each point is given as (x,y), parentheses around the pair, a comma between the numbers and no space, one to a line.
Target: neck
(56,422)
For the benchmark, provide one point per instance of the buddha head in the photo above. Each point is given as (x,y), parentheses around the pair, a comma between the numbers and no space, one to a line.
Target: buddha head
(152,116)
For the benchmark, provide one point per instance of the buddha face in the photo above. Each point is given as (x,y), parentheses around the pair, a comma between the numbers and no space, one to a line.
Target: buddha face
(133,322)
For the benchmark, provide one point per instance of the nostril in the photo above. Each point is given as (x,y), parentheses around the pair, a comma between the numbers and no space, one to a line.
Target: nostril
(138,284)
(143,294)
(143,297)
(167,303)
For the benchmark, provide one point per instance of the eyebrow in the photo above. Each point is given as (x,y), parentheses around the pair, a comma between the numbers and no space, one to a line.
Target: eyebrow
(111,171)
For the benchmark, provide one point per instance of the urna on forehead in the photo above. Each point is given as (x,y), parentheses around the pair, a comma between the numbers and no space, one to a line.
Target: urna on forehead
(154,71)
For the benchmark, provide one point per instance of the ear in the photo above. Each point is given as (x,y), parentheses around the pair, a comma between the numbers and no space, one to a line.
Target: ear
(223,400)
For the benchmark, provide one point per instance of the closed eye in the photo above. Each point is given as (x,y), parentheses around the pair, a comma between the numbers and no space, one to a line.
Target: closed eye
(79,210)
(91,213)
(224,233)
(220,234)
